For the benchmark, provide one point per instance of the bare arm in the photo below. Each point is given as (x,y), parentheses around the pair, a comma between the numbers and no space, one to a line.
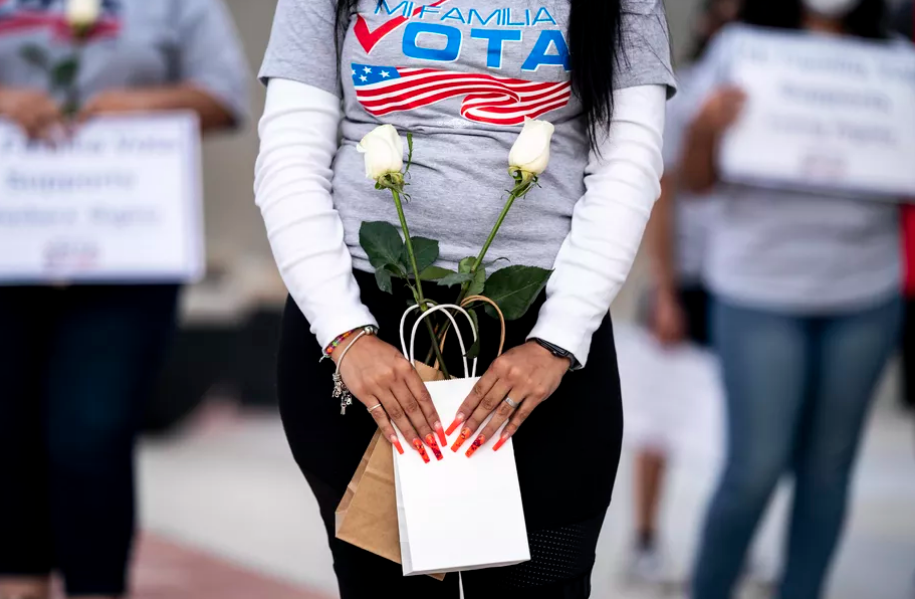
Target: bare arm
(660,235)
(698,168)
(213,114)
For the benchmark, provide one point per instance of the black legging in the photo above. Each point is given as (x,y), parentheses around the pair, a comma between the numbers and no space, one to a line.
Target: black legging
(567,454)
(74,368)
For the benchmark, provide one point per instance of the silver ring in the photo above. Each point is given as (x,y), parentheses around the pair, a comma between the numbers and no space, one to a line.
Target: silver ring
(373,408)
(514,404)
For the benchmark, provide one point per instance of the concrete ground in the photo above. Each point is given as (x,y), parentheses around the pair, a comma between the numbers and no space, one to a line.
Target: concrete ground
(224,501)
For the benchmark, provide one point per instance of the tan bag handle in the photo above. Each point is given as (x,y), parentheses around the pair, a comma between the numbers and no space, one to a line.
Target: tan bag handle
(495,306)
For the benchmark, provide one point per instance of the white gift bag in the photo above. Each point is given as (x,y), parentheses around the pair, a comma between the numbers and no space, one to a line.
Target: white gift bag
(458,513)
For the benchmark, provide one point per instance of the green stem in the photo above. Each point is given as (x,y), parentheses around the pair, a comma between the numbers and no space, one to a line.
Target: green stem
(419,285)
(519,191)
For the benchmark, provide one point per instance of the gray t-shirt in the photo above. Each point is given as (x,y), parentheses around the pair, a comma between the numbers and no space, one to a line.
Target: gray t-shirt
(461,75)
(137,43)
(801,251)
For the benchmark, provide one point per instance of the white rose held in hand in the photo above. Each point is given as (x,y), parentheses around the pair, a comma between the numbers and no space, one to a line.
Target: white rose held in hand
(531,152)
(83,14)
(383,149)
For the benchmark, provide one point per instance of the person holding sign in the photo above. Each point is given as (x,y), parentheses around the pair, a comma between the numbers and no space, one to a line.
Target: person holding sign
(806,309)
(676,238)
(463,77)
(76,361)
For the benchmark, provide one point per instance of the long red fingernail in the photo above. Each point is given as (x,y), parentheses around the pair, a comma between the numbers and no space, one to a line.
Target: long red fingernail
(478,442)
(440,431)
(422,450)
(457,422)
(396,443)
(430,441)
(465,434)
(502,440)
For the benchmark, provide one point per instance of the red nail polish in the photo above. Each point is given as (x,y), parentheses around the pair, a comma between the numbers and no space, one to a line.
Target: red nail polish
(396,443)
(440,431)
(422,450)
(502,440)
(457,422)
(430,441)
(478,442)
(465,434)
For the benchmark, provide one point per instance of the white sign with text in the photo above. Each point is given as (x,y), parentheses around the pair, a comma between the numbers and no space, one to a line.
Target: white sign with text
(121,201)
(823,113)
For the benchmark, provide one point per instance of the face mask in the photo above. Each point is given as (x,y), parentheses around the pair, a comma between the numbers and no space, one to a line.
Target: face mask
(831,8)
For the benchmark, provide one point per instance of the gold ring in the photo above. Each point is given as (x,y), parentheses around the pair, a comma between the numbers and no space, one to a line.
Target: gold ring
(373,408)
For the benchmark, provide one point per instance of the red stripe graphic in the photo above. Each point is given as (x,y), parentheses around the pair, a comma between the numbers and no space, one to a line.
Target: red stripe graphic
(487,98)
(29,20)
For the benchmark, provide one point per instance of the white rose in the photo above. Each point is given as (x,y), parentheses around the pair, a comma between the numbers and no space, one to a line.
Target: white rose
(383,149)
(82,14)
(531,152)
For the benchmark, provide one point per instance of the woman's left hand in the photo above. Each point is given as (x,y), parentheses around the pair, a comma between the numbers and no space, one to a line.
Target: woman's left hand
(528,375)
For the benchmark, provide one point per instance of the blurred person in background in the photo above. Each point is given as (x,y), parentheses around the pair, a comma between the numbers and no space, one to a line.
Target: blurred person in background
(676,238)
(806,313)
(76,361)
(904,22)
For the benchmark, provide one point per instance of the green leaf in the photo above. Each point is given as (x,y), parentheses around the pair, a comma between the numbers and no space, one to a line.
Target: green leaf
(455,278)
(466,264)
(35,56)
(474,351)
(383,278)
(478,283)
(426,251)
(434,273)
(479,279)
(515,288)
(382,244)
(64,73)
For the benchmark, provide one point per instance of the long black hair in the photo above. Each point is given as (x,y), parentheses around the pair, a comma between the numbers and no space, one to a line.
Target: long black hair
(594,34)
(867,20)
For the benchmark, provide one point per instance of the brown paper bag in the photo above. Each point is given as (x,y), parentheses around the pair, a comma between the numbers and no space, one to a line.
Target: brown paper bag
(367,516)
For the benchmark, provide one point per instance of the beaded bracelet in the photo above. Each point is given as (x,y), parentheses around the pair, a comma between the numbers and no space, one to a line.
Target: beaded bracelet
(341,338)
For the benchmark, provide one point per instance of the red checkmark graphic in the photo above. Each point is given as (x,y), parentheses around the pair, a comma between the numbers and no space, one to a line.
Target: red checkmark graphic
(369,39)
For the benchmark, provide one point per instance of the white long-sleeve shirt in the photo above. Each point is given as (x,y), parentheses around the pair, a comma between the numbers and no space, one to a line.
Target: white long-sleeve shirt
(299,138)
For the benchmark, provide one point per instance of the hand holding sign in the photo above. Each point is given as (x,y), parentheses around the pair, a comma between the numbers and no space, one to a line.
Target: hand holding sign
(721,110)
(35,112)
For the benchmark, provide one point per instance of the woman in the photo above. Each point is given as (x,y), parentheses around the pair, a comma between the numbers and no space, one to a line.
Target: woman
(76,361)
(587,223)
(676,236)
(806,313)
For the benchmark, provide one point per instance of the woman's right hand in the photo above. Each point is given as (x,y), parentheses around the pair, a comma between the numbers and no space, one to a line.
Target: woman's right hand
(376,373)
(32,110)
(720,110)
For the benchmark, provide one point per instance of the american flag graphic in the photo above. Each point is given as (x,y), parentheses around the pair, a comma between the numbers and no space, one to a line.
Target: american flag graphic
(487,98)
(16,19)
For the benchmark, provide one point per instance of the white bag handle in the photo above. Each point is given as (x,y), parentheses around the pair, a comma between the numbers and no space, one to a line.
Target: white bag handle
(411,354)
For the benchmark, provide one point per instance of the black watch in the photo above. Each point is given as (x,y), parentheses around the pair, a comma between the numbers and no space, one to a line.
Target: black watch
(557,351)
